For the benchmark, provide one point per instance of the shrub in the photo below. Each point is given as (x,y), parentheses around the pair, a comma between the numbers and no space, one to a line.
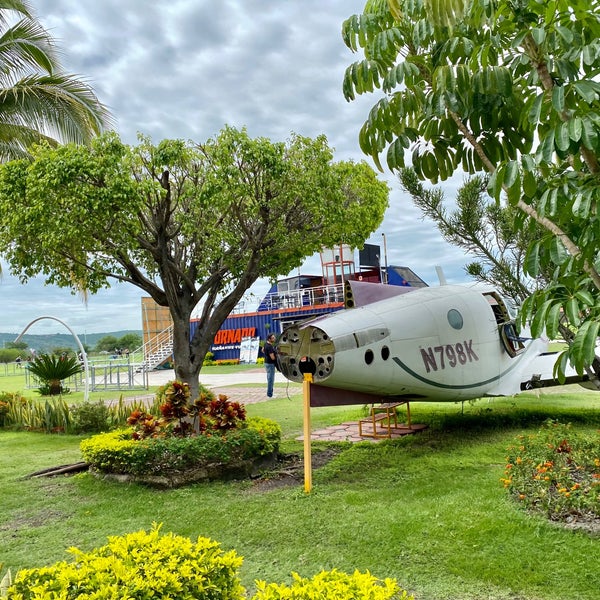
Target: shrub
(90,417)
(182,418)
(332,585)
(556,471)
(144,565)
(136,566)
(119,452)
(51,370)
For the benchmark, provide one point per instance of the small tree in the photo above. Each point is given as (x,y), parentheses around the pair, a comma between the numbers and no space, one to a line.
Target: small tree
(52,370)
(190,224)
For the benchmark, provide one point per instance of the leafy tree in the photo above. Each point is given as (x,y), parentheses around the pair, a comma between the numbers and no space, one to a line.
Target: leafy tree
(38,101)
(507,88)
(187,223)
(107,343)
(482,228)
(52,369)
(17,345)
(131,341)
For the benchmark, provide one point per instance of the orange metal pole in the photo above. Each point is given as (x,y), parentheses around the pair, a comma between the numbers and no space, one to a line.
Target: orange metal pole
(307,450)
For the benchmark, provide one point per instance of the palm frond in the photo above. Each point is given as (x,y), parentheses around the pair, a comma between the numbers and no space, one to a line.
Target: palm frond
(27,47)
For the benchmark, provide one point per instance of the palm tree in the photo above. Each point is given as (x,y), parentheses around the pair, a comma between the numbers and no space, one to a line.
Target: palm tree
(38,101)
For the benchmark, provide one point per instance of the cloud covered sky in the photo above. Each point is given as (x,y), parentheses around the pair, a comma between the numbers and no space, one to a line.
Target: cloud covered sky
(184,69)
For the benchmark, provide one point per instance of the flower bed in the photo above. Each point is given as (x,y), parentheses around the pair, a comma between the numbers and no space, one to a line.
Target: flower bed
(209,439)
(556,471)
(176,461)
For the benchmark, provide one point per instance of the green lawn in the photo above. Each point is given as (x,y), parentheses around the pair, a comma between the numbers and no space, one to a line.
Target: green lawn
(428,510)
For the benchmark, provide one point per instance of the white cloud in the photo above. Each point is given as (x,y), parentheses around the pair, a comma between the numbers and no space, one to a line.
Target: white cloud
(184,69)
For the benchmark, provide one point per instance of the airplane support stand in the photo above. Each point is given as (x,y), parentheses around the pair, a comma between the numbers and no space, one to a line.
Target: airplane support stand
(307,450)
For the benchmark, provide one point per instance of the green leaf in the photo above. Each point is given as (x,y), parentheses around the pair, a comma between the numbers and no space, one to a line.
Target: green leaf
(511,173)
(585,297)
(561,136)
(558,98)
(572,311)
(553,320)
(558,252)
(538,324)
(582,205)
(532,259)
(583,348)
(536,110)
(586,90)
(575,128)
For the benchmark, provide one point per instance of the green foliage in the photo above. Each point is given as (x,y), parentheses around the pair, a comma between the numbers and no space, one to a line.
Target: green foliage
(38,100)
(507,89)
(56,416)
(90,417)
(51,370)
(180,418)
(137,566)
(333,585)
(51,416)
(556,471)
(118,451)
(8,355)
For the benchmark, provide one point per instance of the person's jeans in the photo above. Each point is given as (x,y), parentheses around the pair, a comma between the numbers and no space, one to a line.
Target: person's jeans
(270,367)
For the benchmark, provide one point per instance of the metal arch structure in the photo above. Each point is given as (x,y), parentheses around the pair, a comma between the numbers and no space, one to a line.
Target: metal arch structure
(86,368)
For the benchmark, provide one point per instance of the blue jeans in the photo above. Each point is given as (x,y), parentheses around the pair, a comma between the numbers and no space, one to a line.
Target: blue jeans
(270,368)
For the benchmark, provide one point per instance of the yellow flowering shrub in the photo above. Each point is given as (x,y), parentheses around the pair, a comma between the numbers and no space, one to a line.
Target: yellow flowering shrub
(333,585)
(137,566)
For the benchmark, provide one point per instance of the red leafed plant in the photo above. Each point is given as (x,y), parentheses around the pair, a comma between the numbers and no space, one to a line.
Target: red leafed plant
(181,419)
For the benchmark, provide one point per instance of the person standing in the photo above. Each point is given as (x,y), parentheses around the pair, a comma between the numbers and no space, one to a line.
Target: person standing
(270,360)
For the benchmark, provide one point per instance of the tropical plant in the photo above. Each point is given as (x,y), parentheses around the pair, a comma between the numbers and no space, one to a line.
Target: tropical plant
(38,101)
(52,370)
(198,224)
(509,89)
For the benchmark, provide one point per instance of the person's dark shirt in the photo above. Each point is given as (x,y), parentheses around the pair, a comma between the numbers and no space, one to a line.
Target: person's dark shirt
(268,350)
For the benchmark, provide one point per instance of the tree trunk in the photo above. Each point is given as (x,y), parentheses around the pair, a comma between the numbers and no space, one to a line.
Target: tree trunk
(187,363)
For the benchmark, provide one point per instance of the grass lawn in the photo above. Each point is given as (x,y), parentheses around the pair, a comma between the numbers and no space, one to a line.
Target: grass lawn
(428,510)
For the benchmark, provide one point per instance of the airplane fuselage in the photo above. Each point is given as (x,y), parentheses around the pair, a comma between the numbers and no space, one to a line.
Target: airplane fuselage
(440,343)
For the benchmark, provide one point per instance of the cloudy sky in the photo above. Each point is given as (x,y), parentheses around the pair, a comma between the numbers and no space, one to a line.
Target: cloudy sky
(184,69)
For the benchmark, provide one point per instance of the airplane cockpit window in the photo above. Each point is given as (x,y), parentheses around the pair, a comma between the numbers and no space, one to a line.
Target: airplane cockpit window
(455,319)
(506,326)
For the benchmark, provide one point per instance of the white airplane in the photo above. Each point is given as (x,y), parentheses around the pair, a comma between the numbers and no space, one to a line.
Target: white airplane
(447,343)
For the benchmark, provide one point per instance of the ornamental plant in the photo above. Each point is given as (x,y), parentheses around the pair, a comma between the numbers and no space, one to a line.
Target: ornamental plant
(181,418)
(137,566)
(144,565)
(556,471)
(333,585)
(52,370)
(118,451)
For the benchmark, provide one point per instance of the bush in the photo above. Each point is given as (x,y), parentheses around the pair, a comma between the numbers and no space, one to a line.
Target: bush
(90,417)
(137,565)
(332,585)
(144,565)
(118,452)
(556,471)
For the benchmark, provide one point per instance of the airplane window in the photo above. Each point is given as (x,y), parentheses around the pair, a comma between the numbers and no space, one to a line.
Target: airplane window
(385,353)
(455,319)
(369,356)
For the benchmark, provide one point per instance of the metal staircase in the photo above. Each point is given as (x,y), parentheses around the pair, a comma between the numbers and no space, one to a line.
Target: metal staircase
(158,349)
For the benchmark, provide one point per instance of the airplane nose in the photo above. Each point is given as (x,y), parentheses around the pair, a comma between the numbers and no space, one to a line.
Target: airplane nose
(297,342)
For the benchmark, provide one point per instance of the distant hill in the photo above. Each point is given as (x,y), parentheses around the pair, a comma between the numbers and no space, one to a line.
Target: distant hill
(45,343)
